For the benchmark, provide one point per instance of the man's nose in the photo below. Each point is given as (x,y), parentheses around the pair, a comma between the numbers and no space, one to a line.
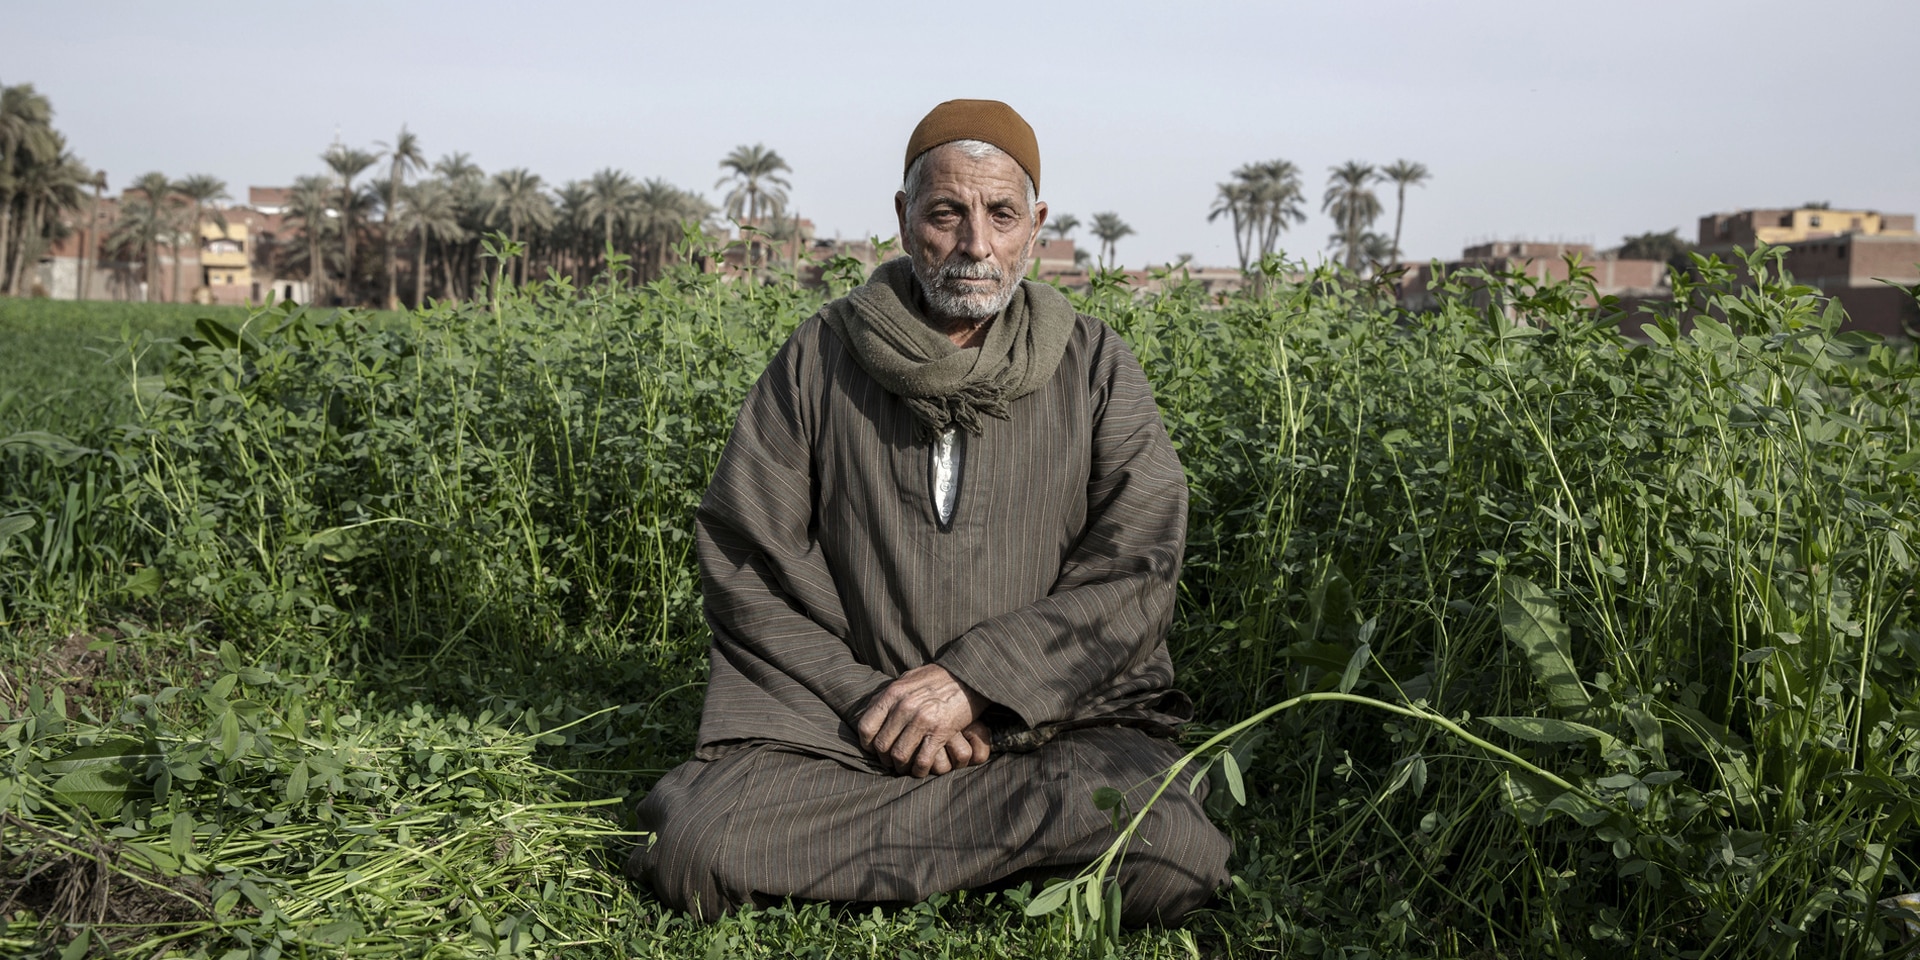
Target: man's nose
(975,240)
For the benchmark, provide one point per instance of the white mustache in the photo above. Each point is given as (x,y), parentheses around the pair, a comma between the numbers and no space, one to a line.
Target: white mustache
(970,270)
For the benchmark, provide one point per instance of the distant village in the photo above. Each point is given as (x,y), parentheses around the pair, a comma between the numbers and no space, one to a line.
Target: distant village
(1853,256)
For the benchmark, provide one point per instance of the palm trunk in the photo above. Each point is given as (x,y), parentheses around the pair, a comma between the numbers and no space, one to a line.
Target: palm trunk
(6,218)
(313,265)
(27,228)
(420,271)
(1399,211)
(175,246)
(393,197)
(346,238)
(1240,238)
(523,257)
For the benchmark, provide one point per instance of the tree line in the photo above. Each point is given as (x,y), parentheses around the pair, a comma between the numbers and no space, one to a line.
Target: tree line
(1264,199)
(369,219)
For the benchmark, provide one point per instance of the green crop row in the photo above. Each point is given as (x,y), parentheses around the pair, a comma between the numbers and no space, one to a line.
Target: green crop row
(1590,645)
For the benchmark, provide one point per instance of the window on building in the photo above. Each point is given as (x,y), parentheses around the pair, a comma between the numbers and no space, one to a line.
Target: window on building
(1840,252)
(1813,221)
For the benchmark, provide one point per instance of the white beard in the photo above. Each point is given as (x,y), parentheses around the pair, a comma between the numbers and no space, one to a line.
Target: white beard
(964,302)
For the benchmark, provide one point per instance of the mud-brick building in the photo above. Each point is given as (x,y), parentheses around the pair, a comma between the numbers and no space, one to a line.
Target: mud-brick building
(1861,258)
(234,262)
(1612,275)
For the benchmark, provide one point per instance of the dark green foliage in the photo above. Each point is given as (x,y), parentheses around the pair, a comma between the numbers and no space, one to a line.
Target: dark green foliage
(1642,610)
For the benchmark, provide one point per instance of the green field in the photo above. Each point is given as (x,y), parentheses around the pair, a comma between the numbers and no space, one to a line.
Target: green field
(330,635)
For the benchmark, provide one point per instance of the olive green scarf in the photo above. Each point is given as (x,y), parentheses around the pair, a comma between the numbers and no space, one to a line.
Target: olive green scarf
(944,385)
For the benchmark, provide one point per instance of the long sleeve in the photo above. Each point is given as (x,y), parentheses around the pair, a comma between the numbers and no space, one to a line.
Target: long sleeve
(1098,636)
(770,598)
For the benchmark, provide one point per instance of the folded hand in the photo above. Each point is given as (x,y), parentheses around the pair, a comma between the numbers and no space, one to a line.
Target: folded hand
(925,722)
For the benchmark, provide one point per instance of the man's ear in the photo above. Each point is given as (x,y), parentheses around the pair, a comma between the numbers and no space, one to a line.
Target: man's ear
(1039,220)
(900,213)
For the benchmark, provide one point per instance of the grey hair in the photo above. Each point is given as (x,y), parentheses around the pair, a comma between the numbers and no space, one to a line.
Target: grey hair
(974,149)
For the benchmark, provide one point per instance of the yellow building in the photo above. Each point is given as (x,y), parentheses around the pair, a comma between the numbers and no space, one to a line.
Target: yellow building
(224,260)
(1747,227)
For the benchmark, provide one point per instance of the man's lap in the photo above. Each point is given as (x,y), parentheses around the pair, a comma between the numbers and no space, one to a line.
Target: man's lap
(766,820)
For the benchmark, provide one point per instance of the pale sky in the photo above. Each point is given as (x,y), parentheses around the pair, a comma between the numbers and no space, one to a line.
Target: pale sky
(1540,120)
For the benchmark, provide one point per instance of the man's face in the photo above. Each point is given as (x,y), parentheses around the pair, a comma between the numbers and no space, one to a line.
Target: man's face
(970,233)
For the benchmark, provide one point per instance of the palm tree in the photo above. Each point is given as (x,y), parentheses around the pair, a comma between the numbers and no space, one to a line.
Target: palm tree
(143,220)
(1235,201)
(571,236)
(26,140)
(200,189)
(758,190)
(1353,206)
(660,212)
(310,210)
(1277,199)
(611,201)
(1261,200)
(468,183)
(457,167)
(517,195)
(44,192)
(1109,228)
(1063,225)
(431,211)
(1404,174)
(347,163)
(405,156)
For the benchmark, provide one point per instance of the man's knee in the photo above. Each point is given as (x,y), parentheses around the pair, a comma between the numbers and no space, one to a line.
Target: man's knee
(1178,869)
(683,859)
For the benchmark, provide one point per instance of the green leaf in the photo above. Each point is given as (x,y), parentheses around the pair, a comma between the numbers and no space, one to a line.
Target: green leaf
(101,790)
(297,783)
(145,582)
(1230,767)
(229,735)
(1530,620)
(1411,773)
(1549,730)
(58,450)
(180,835)
(112,754)
(1050,899)
(13,525)
(1094,901)
(1355,663)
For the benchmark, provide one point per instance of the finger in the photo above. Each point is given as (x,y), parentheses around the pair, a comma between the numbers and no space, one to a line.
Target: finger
(906,725)
(943,764)
(929,752)
(904,748)
(959,751)
(876,715)
(982,748)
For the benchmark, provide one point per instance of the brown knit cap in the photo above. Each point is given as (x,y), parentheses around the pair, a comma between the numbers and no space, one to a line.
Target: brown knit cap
(987,120)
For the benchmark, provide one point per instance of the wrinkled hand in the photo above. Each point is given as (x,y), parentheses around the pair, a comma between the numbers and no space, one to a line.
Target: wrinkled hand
(925,722)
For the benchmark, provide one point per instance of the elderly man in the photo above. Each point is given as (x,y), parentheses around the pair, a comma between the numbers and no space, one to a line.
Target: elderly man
(939,557)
